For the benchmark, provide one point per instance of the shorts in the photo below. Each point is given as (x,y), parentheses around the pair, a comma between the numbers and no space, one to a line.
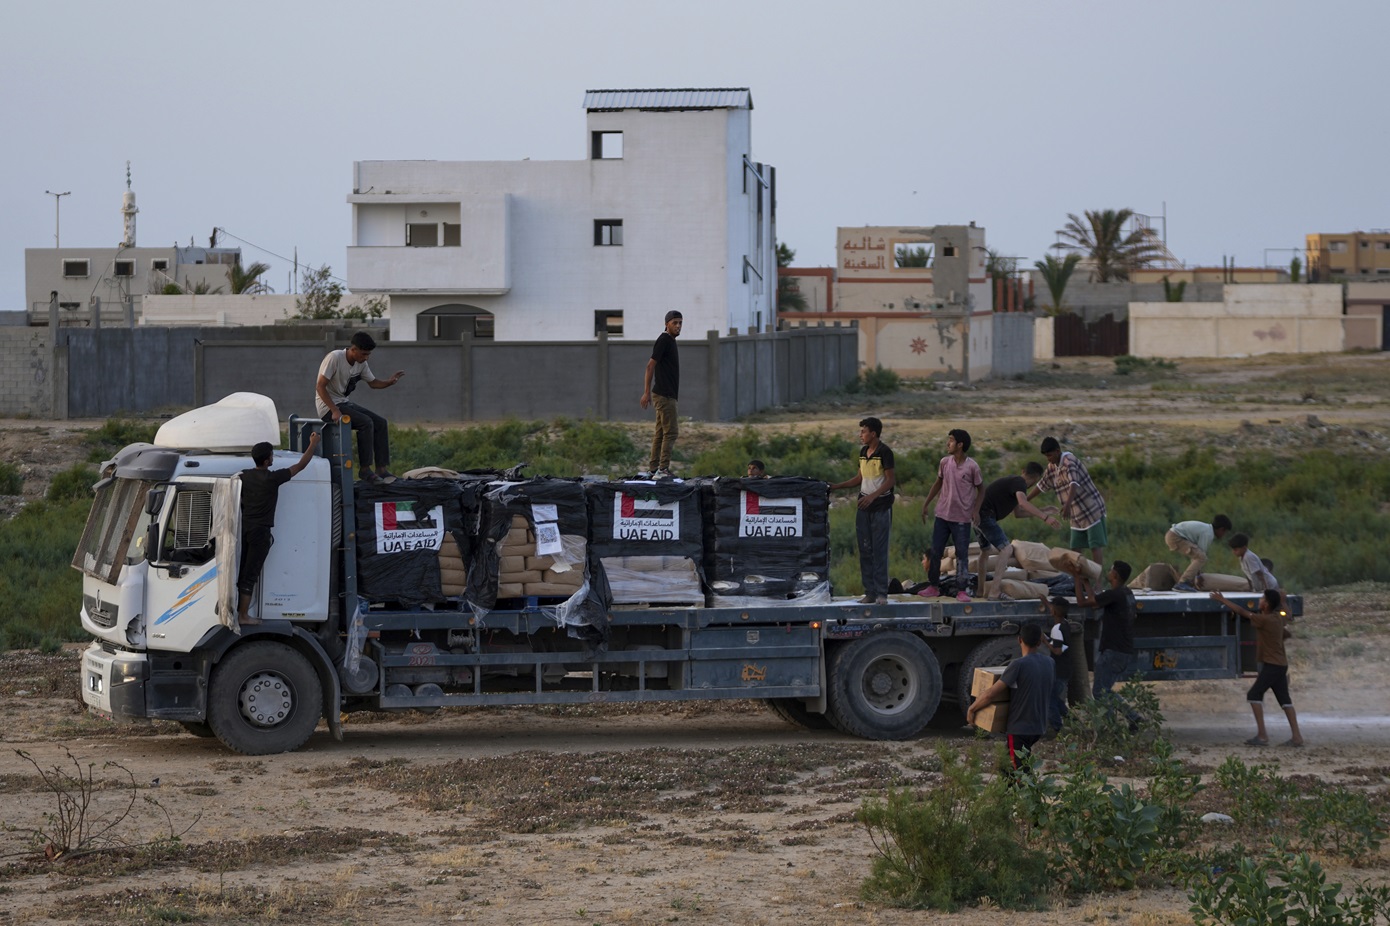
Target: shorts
(1271,678)
(1091,538)
(991,534)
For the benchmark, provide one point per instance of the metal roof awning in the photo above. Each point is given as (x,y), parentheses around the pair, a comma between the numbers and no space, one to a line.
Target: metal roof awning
(669,99)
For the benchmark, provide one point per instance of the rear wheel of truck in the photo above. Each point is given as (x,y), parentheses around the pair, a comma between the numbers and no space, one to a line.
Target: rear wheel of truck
(793,710)
(885,686)
(991,651)
(264,698)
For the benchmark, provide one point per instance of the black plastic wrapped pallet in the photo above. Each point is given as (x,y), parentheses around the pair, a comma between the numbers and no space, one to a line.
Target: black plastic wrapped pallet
(771,537)
(645,519)
(499,503)
(400,528)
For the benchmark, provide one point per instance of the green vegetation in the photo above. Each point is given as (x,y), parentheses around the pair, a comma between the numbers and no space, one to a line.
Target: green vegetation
(11,480)
(1126,364)
(39,591)
(878,381)
(1070,832)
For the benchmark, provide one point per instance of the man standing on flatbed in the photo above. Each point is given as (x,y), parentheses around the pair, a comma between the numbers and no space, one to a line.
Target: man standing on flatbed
(660,388)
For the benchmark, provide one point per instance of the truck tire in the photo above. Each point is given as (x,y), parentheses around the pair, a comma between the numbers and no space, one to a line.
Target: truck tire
(793,711)
(197,728)
(1079,684)
(264,698)
(991,651)
(885,686)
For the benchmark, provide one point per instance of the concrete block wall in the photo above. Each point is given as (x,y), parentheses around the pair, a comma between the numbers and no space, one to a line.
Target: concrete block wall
(26,373)
(1013,343)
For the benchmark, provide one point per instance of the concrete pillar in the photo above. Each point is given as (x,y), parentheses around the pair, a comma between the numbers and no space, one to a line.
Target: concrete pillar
(53,321)
(601,363)
(712,375)
(466,379)
(96,313)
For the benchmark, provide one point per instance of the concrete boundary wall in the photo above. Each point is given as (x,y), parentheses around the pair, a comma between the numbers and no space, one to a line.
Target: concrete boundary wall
(1287,318)
(101,372)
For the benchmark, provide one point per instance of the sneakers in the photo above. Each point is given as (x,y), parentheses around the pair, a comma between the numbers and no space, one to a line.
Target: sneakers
(1184,587)
(387,476)
(369,477)
(931,591)
(643,474)
(662,474)
(867,599)
(881,599)
(963,597)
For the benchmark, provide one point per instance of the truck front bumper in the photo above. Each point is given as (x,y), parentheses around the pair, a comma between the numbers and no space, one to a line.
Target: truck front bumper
(113,683)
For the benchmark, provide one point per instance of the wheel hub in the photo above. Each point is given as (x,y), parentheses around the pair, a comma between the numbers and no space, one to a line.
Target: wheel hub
(266,699)
(890,685)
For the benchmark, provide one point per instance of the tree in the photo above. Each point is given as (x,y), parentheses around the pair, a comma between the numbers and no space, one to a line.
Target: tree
(789,297)
(1112,253)
(904,255)
(1173,291)
(1295,270)
(321,296)
(999,267)
(248,282)
(1056,274)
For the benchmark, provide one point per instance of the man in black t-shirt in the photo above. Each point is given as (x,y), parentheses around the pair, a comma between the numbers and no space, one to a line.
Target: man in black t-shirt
(1116,655)
(1030,677)
(1004,497)
(260,493)
(660,388)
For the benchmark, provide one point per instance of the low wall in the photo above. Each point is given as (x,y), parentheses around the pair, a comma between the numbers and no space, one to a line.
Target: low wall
(1013,343)
(1252,319)
(189,310)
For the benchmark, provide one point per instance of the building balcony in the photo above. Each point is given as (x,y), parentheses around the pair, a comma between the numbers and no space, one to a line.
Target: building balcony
(479,270)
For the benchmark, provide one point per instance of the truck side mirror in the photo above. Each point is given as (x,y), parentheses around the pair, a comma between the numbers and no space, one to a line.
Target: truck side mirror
(154,501)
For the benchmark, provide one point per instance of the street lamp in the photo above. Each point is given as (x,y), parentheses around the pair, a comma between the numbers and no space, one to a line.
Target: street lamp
(57,214)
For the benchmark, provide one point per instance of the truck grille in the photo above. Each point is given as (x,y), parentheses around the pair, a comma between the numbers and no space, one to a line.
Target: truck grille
(101,613)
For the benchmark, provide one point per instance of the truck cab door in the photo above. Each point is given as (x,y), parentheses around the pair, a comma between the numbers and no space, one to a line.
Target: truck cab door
(181,584)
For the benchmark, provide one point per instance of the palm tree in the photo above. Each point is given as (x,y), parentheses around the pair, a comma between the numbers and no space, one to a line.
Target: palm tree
(1101,235)
(789,298)
(1056,273)
(248,282)
(907,256)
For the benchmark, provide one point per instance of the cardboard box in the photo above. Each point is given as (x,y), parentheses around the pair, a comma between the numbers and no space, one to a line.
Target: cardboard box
(984,678)
(994,717)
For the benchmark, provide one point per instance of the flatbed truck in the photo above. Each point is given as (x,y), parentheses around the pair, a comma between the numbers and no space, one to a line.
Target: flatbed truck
(158,565)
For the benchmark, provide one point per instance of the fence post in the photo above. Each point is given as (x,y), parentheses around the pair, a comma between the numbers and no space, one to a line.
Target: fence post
(602,372)
(466,380)
(712,375)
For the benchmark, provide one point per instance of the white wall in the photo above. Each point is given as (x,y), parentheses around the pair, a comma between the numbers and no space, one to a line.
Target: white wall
(1275,318)
(224,310)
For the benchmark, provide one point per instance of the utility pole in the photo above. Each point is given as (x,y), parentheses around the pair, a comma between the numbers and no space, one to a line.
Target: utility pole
(57,214)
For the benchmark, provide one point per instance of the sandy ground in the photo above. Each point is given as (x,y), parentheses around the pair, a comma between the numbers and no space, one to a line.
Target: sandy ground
(719,814)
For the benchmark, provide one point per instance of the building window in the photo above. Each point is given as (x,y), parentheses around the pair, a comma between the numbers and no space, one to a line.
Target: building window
(1337,247)
(1383,245)
(1365,244)
(75,268)
(606,146)
(453,234)
(608,231)
(422,235)
(608,322)
(124,268)
(160,263)
(948,250)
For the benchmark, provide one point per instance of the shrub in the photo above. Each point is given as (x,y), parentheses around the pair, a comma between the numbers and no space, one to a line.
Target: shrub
(954,844)
(1099,730)
(1284,887)
(878,381)
(11,481)
(74,483)
(115,434)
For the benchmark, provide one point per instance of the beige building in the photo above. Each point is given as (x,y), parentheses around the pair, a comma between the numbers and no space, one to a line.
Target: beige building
(1349,257)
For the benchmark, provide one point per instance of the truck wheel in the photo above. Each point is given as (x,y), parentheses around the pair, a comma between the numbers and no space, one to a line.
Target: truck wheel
(991,651)
(883,686)
(197,728)
(264,698)
(1079,684)
(793,711)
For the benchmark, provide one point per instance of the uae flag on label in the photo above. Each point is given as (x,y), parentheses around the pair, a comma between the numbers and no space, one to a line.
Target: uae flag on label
(398,515)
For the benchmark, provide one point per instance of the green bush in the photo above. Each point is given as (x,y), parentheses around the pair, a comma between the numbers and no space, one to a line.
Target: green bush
(114,434)
(40,593)
(70,484)
(11,481)
(1099,729)
(954,844)
(1284,887)
(1125,364)
(878,381)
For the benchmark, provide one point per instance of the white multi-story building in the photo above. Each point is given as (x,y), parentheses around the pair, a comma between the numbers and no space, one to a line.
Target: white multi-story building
(668,211)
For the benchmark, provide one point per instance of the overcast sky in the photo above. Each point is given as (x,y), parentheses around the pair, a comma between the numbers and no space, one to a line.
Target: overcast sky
(1255,122)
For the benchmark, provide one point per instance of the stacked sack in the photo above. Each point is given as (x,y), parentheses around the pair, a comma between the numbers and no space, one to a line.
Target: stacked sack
(521,572)
(404,530)
(646,540)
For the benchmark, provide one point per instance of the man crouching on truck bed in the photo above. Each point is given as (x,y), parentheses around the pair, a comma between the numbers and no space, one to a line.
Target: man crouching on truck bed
(260,493)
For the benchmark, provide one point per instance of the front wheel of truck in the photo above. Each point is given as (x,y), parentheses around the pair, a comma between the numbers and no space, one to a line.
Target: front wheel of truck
(885,686)
(264,698)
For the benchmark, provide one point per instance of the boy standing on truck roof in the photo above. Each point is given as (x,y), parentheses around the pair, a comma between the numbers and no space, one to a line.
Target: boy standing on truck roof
(874,520)
(958,482)
(1030,677)
(1002,498)
(339,374)
(1192,539)
(260,493)
(1082,504)
(661,384)
(1271,630)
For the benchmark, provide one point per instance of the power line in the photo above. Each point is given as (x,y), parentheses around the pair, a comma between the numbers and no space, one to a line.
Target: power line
(291,260)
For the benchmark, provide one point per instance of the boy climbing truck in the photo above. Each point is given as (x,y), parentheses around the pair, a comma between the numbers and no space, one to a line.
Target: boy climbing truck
(363,603)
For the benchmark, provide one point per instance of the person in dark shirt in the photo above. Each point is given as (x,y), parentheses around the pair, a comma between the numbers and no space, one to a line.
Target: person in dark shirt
(1004,497)
(1059,642)
(1271,630)
(1115,658)
(260,493)
(874,520)
(1030,677)
(660,388)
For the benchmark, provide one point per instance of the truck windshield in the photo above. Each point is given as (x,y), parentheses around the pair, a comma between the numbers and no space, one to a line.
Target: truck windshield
(116,517)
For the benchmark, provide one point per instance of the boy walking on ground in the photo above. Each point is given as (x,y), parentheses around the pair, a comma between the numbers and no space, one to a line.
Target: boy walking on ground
(260,494)
(958,483)
(874,519)
(339,374)
(1192,539)
(1030,677)
(1271,630)
(1005,496)
(1082,504)
(660,387)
